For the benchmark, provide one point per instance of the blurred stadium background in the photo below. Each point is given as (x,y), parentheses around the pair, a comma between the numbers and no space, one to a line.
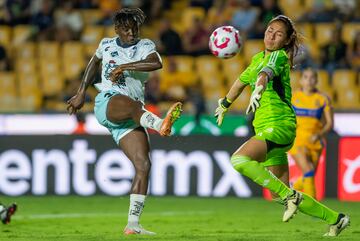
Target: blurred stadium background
(44,48)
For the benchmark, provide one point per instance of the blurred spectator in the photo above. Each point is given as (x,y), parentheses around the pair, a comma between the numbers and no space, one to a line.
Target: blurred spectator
(43,22)
(69,23)
(269,9)
(85,4)
(219,14)
(321,11)
(174,82)
(152,89)
(333,55)
(244,18)
(196,97)
(17,12)
(346,9)
(196,39)
(303,59)
(153,95)
(170,41)
(354,53)
(205,4)
(3,59)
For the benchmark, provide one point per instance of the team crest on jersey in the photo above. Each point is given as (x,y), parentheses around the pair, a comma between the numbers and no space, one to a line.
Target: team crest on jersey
(114,54)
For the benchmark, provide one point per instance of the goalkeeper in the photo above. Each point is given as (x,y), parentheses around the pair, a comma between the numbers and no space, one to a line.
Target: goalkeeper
(263,157)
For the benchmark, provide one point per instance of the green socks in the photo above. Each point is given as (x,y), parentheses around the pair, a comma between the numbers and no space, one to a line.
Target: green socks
(314,208)
(260,175)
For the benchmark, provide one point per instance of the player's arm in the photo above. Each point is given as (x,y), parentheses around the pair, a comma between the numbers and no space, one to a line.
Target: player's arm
(77,101)
(329,122)
(224,103)
(150,63)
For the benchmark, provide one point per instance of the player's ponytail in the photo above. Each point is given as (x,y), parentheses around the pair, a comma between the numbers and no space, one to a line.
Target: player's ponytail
(292,46)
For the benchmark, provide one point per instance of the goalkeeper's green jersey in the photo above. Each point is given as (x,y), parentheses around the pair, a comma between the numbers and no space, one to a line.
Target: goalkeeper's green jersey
(275,104)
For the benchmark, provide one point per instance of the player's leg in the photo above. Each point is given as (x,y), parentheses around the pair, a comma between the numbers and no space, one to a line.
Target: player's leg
(136,147)
(121,107)
(7,212)
(246,161)
(304,162)
(311,207)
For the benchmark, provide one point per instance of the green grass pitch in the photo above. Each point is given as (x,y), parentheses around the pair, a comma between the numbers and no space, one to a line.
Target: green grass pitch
(103,218)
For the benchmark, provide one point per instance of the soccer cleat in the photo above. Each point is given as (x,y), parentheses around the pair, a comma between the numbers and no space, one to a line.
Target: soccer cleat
(138,229)
(7,212)
(340,225)
(292,203)
(172,115)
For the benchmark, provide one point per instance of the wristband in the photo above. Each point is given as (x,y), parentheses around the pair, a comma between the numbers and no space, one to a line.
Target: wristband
(226,102)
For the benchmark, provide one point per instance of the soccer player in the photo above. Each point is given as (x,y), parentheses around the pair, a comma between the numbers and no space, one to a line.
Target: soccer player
(7,212)
(263,157)
(314,120)
(119,106)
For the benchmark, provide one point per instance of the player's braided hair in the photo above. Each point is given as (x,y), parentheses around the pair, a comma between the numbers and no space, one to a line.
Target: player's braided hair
(293,46)
(128,17)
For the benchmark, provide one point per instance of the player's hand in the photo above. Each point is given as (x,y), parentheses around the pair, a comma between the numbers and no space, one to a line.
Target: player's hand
(116,74)
(75,103)
(255,99)
(220,112)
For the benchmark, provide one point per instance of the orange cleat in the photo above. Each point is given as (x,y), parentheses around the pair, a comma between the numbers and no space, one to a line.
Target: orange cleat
(172,115)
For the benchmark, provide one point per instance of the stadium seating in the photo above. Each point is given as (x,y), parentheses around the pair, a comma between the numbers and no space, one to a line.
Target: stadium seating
(349,99)
(295,80)
(324,33)
(49,50)
(349,31)
(21,33)
(26,50)
(5,36)
(252,47)
(207,65)
(49,64)
(190,13)
(232,69)
(344,79)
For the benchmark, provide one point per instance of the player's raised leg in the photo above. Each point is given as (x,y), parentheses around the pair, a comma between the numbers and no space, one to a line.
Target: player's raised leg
(136,147)
(121,107)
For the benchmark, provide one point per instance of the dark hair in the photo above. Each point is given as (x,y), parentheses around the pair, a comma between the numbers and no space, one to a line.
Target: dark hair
(128,17)
(293,46)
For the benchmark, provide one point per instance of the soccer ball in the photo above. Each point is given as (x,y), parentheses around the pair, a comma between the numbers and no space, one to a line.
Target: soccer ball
(225,42)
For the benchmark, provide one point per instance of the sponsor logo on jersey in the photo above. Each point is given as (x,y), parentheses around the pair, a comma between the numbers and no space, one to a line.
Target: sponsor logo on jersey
(114,54)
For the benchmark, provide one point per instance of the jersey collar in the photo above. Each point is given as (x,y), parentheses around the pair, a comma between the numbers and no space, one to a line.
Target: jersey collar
(123,45)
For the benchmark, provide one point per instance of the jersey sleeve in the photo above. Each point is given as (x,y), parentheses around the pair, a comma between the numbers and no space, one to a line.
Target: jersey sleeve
(99,50)
(274,63)
(147,47)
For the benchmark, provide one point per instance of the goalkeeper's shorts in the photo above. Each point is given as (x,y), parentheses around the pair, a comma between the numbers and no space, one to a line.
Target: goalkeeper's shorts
(279,140)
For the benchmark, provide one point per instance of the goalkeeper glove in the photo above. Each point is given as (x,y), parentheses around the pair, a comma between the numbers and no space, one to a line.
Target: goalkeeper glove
(255,99)
(223,105)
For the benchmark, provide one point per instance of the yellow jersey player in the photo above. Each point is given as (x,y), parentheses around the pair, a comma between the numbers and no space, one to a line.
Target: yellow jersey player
(314,120)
